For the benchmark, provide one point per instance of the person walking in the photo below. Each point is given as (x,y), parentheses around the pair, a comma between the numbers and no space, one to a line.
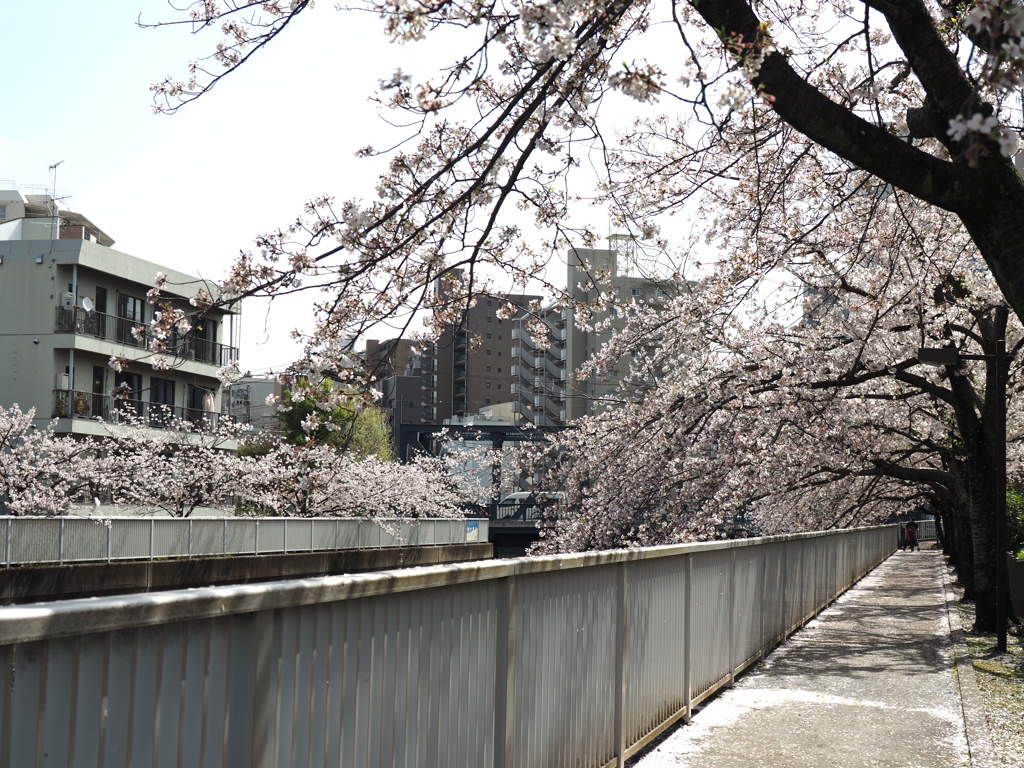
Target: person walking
(911,535)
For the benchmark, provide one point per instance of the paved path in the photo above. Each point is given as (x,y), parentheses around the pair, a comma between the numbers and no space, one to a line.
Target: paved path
(869,682)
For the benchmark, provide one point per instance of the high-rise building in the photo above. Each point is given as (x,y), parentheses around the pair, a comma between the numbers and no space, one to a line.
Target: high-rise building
(550,347)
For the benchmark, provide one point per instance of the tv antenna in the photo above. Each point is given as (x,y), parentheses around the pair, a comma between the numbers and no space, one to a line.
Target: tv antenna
(53,194)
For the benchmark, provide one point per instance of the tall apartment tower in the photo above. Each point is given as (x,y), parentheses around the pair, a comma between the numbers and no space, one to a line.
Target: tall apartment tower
(69,303)
(547,394)
(474,361)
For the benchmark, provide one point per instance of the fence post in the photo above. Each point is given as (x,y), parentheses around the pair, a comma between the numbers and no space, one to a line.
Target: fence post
(224,545)
(505,676)
(688,638)
(764,578)
(7,544)
(60,543)
(152,536)
(190,537)
(286,534)
(621,584)
(785,590)
(263,709)
(256,542)
(337,527)
(732,617)
(110,533)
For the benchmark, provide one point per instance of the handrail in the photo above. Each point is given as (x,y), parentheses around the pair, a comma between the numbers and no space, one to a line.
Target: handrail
(64,540)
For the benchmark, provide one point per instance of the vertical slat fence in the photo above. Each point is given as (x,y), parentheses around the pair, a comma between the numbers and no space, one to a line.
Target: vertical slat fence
(557,661)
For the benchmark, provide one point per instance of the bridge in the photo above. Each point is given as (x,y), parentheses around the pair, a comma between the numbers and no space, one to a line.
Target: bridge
(574,660)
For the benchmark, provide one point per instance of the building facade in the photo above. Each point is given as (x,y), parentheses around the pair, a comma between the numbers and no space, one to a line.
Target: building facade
(547,391)
(69,303)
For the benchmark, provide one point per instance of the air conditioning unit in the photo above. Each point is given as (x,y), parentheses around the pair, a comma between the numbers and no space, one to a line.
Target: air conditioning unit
(61,381)
(68,300)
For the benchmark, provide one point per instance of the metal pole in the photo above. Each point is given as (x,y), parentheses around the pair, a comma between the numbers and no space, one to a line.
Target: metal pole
(60,543)
(619,692)
(152,535)
(688,639)
(999,460)
(732,616)
(224,544)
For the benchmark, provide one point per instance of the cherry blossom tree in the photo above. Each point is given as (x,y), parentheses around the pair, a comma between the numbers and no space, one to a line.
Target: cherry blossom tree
(174,466)
(916,93)
(319,481)
(787,386)
(41,473)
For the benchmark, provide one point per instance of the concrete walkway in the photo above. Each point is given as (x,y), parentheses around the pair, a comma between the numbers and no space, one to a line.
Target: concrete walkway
(869,682)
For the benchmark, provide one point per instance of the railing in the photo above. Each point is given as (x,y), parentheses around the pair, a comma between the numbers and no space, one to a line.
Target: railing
(112,328)
(577,660)
(88,405)
(64,540)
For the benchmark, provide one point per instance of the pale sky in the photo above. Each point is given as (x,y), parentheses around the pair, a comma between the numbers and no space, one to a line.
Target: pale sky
(192,189)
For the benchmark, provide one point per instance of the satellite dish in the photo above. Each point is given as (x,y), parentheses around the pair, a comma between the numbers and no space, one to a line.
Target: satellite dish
(87,304)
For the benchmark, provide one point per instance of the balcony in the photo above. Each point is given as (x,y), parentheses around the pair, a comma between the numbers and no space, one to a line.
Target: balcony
(462,341)
(119,329)
(88,405)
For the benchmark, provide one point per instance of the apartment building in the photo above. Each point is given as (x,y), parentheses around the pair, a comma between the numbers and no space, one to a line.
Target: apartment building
(545,389)
(69,303)
(467,369)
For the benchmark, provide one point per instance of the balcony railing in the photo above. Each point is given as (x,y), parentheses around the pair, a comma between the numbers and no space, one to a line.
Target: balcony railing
(112,328)
(88,405)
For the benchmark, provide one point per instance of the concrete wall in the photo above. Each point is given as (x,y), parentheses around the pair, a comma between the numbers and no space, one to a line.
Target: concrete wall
(28,584)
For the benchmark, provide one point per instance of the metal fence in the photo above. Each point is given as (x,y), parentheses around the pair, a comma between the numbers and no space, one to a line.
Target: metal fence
(536,662)
(90,539)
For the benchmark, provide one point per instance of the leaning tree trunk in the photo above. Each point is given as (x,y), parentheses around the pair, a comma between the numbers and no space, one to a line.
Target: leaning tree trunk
(983,547)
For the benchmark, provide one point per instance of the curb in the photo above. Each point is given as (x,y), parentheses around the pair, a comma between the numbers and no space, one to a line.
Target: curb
(979,737)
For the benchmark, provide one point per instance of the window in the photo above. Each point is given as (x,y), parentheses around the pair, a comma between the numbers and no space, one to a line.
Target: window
(489,351)
(660,292)
(488,385)
(488,302)
(636,292)
(489,336)
(499,386)
(489,319)
(487,401)
(129,315)
(129,386)
(3,215)
(489,368)
(499,337)
(161,401)
(499,353)
(499,369)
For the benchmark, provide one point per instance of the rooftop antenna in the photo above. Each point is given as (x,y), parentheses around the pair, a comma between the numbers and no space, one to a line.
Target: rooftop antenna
(51,204)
